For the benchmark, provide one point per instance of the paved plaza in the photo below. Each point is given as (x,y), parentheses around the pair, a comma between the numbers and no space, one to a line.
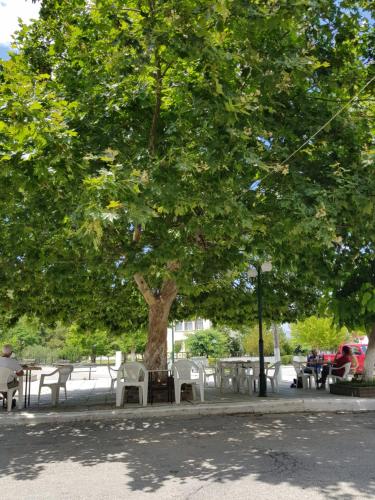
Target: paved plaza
(320,456)
(85,394)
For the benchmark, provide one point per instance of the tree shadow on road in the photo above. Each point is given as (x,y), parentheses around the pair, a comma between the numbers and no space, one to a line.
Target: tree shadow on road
(275,450)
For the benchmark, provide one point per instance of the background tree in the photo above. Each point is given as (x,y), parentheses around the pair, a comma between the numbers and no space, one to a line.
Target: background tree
(26,332)
(211,343)
(132,341)
(250,342)
(318,333)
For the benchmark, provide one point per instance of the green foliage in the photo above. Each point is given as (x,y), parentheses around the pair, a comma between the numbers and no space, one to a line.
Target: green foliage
(83,343)
(235,346)
(178,346)
(130,341)
(180,118)
(318,333)
(210,343)
(287,359)
(42,354)
(26,332)
(250,342)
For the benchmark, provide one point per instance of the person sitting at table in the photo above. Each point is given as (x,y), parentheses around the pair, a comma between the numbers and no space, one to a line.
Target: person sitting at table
(313,362)
(338,365)
(7,362)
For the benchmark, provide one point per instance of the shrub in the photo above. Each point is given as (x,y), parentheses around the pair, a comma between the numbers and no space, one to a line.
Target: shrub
(287,359)
(209,343)
(178,346)
(40,353)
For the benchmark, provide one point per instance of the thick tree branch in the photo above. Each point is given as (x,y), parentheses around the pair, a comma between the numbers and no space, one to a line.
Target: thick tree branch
(168,291)
(137,233)
(156,114)
(144,289)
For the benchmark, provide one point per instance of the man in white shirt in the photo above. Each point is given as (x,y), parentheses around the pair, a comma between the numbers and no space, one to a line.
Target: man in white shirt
(7,362)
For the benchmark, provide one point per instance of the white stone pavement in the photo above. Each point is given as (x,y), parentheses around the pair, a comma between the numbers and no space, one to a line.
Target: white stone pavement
(92,400)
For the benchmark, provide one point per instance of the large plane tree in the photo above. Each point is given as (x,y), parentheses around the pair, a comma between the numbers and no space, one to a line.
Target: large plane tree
(145,142)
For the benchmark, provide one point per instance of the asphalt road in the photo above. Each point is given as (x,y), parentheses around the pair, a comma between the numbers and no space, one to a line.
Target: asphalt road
(249,457)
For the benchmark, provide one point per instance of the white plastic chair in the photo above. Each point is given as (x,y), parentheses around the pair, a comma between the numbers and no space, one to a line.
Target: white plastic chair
(186,371)
(252,376)
(113,376)
(345,376)
(307,378)
(132,374)
(5,375)
(63,375)
(274,378)
(208,371)
(228,375)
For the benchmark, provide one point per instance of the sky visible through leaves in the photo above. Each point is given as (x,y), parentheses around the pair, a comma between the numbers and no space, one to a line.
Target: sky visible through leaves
(10,11)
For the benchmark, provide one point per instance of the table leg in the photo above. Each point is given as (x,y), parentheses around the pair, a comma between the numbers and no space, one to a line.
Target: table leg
(20,392)
(26,380)
(169,388)
(150,387)
(237,372)
(28,395)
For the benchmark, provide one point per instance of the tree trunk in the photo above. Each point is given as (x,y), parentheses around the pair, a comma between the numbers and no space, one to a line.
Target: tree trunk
(368,373)
(155,356)
(159,306)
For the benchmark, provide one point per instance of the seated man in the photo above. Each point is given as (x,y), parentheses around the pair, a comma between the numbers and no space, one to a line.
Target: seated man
(313,362)
(338,365)
(7,362)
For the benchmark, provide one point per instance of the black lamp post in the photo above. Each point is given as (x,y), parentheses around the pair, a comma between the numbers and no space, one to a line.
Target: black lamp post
(257,272)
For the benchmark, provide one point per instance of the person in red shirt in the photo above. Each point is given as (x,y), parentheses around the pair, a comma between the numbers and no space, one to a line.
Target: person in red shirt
(338,367)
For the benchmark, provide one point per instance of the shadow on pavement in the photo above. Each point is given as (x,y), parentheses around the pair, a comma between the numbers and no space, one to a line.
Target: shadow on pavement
(301,450)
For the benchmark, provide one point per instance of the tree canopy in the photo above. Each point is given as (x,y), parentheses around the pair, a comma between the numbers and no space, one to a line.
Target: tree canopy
(154,141)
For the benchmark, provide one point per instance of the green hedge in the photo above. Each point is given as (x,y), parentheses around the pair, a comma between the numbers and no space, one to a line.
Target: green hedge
(287,359)
(46,355)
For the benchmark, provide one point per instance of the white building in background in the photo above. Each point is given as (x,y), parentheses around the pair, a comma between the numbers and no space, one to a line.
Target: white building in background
(182,329)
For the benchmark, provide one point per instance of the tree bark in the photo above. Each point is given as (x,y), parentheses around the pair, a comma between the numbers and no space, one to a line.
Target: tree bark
(159,306)
(368,372)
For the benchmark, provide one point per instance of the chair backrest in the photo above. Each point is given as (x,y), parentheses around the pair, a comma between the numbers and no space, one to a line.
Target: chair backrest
(297,367)
(64,373)
(132,371)
(276,367)
(5,373)
(200,360)
(347,367)
(255,366)
(185,368)
(112,371)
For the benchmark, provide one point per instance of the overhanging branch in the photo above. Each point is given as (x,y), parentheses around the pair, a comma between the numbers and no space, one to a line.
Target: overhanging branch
(144,289)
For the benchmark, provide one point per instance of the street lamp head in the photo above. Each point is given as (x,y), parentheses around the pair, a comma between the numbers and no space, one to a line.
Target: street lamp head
(252,272)
(266,267)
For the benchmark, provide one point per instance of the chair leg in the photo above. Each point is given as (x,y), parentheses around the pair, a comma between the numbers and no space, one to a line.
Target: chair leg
(193,390)
(119,396)
(10,394)
(250,384)
(177,392)
(54,396)
(66,396)
(272,384)
(140,395)
(144,395)
(40,388)
(201,386)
